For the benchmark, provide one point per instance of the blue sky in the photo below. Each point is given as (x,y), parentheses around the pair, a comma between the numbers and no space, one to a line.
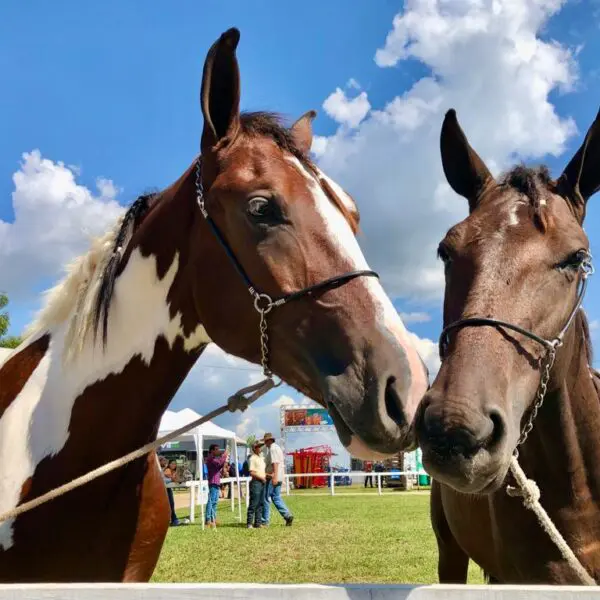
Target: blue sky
(112,90)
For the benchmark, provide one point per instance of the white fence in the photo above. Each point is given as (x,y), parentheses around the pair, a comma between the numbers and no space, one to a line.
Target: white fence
(199,490)
(290,592)
(378,476)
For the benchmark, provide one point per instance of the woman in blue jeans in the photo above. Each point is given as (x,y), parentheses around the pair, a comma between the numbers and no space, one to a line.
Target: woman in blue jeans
(214,463)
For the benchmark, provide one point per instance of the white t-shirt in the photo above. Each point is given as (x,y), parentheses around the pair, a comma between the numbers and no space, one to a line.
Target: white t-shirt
(256,463)
(274,454)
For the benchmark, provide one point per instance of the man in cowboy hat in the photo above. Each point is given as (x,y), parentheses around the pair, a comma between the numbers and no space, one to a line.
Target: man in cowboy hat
(275,471)
(256,466)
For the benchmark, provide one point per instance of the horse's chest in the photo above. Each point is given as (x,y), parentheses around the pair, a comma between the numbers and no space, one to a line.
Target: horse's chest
(507,541)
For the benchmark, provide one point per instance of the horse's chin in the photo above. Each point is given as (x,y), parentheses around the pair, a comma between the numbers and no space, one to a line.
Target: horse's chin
(358,449)
(467,476)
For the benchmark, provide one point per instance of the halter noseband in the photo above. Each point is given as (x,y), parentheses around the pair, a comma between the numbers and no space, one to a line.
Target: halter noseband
(586,268)
(264,303)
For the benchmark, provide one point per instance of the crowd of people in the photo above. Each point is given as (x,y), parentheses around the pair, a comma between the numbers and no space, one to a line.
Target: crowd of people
(265,467)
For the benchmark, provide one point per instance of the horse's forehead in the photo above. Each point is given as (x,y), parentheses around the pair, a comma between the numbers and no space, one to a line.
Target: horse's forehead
(506,223)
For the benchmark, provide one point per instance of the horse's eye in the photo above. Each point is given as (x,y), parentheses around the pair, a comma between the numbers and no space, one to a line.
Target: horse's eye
(575,260)
(259,207)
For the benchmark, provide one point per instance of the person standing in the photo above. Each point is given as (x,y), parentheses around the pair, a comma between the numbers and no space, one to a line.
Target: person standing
(168,478)
(214,464)
(369,469)
(275,469)
(257,468)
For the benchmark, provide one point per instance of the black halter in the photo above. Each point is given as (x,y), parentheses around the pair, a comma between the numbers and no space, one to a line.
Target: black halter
(586,269)
(263,303)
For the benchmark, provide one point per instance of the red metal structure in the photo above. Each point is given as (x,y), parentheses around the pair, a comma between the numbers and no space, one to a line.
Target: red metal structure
(311,460)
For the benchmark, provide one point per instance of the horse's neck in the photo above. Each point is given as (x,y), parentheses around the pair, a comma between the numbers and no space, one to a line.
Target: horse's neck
(563,450)
(119,389)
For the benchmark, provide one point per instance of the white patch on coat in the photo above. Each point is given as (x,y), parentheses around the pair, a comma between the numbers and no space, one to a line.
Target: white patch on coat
(513,215)
(36,423)
(343,238)
(339,192)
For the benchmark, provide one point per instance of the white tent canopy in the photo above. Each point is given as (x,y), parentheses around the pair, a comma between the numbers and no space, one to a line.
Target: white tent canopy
(172,421)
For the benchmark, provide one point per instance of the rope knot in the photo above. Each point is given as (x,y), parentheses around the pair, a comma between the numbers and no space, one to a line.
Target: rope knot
(240,402)
(530,493)
(237,402)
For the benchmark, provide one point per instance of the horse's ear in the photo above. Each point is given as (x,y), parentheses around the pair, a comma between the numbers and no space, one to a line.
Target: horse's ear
(581,177)
(464,170)
(220,93)
(302,132)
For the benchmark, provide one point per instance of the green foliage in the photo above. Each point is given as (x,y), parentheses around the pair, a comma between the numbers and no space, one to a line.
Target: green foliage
(250,440)
(9,341)
(4,318)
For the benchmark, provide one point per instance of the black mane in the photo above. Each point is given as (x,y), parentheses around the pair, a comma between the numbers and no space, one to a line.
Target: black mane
(529,181)
(270,125)
(131,220)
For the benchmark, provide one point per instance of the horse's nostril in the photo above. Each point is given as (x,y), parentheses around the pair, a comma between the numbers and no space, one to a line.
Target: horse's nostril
(498,428)
(393,402)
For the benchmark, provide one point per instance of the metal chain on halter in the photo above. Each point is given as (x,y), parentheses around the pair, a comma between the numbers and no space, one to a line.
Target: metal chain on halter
(540,396)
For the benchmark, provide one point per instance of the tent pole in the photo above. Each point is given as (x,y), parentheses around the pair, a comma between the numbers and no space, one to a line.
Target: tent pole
(201,478)
(237,478)
(231,497)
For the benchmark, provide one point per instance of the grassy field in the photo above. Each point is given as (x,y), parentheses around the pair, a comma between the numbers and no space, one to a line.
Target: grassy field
(354,539)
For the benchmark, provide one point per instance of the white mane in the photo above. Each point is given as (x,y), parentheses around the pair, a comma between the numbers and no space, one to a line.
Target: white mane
(74,297)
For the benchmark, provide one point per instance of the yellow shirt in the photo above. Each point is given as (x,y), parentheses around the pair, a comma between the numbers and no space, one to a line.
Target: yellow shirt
(256,464)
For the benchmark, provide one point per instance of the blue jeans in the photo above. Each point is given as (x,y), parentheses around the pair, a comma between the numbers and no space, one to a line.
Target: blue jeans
(211,505)
(273,494)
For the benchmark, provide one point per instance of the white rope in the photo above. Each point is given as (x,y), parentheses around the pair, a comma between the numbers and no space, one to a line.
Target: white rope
(236,402)
(529,492)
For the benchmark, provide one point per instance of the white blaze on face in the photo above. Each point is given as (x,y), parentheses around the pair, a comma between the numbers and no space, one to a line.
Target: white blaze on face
(342,236)
(36,424)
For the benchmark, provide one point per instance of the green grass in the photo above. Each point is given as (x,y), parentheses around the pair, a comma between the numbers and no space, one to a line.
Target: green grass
(353,539)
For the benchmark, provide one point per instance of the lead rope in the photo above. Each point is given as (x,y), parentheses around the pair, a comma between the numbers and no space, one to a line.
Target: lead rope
(529,492)
(238,401)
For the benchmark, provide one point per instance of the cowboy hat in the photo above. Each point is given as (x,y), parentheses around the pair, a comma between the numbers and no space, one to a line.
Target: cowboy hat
(267,437)
(256,443)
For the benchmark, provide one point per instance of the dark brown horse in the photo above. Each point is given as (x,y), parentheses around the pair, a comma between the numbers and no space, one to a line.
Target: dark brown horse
(183,268)
(519,257)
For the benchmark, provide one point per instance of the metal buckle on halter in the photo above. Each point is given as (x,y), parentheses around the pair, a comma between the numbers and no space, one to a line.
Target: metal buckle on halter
(587,266)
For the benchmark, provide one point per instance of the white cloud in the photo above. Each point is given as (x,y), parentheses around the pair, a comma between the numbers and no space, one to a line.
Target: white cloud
(55,217)
(429,352)
(486,59)
(415,317)
(346,111)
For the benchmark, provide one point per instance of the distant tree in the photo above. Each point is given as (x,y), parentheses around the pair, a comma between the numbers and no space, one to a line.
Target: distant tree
(250,440)
(4,318)
(9,341)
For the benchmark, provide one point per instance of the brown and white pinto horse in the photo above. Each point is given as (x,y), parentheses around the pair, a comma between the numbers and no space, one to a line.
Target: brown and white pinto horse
(118,336)
(519,257)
